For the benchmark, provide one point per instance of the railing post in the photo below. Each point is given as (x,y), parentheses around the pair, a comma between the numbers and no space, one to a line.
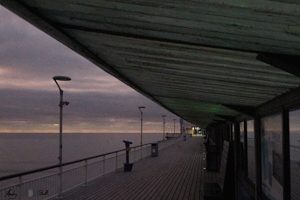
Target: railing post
(104,164)
(20,187)
(86,172)
(116,161)
(60,183)
(133,154)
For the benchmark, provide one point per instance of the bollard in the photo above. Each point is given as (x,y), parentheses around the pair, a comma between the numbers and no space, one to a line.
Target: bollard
(127,165)
(154,149)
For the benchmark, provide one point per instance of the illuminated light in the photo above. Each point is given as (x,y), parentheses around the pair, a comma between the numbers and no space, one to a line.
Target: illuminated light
(215,109)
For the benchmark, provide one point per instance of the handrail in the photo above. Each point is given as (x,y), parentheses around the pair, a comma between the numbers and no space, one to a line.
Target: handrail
(64,164)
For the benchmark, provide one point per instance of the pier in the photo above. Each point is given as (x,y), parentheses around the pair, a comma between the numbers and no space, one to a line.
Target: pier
(175,174)
(176,171)
(229,67)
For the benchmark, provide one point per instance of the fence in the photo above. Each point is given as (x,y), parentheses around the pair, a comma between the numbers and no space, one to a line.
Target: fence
(48,182)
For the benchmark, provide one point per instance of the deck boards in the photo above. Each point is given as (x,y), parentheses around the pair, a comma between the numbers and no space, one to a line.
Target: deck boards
(176,174)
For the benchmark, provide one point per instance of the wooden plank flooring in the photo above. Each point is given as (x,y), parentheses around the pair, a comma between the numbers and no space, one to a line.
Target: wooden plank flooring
(176,174)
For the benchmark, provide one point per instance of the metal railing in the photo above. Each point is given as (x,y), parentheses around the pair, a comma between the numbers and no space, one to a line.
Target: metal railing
(44,183)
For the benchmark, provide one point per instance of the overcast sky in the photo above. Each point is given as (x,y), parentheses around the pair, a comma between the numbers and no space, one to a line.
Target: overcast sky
(29,98)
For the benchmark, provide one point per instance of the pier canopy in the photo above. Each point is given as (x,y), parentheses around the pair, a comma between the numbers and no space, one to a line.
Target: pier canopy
(205,60)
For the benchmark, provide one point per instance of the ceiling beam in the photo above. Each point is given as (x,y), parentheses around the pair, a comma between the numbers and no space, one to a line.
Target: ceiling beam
(152,38)
(247,110)
(217,121)
(288,1)
(287,63)
(226,117)
(288,100)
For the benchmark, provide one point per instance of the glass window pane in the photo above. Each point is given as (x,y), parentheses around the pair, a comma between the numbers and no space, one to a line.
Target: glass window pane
(251,150)
(242,132)
(233,132)
(272,162)
(242,146)
(295,154)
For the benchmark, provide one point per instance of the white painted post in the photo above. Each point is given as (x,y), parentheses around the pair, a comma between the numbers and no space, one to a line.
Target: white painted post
(86,172)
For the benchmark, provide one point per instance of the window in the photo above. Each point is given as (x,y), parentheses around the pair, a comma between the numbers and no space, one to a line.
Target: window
(242,132)
(232,126)
(271,153)
(242,147)
(295,154)
(251,150)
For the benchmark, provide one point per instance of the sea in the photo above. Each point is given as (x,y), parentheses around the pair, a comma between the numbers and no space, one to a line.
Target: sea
(21,152)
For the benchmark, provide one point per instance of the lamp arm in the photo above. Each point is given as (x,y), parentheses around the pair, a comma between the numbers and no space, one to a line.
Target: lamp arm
(58,86)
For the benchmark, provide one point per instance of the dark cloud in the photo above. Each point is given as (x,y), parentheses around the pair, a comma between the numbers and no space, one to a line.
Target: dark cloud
(29,98)
(26,53)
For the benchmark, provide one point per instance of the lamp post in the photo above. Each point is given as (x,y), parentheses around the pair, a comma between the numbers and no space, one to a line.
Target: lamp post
(181,126)
(164,126)
(61,104)
(141,111)
(174,125)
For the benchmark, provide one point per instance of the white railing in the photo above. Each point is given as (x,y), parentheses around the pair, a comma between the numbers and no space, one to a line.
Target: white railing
(44,183)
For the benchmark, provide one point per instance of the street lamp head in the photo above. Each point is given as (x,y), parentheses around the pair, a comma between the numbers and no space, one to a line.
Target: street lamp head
(141,107)
(61,78)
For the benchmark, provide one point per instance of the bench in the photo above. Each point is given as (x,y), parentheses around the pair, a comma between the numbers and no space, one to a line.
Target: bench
(213,189)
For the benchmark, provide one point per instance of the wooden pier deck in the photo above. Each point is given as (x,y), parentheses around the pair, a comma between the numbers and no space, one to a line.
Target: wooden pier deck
(176,174)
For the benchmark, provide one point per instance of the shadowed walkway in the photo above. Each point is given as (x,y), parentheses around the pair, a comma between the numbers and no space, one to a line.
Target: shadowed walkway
(175,174)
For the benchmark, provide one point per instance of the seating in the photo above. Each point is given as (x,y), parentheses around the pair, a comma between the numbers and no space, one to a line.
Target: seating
(213,189)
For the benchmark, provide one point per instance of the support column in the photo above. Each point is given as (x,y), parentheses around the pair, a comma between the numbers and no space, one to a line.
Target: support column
(286,155)
(236,157)
(257,130)
(245,148)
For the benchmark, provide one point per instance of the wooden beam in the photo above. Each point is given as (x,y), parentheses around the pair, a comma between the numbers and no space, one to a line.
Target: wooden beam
(179,38)
(226,117)
(247,110)
(288,100)
(217,121)
(288,63)
(210,33)
(212,73)
(288,1)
